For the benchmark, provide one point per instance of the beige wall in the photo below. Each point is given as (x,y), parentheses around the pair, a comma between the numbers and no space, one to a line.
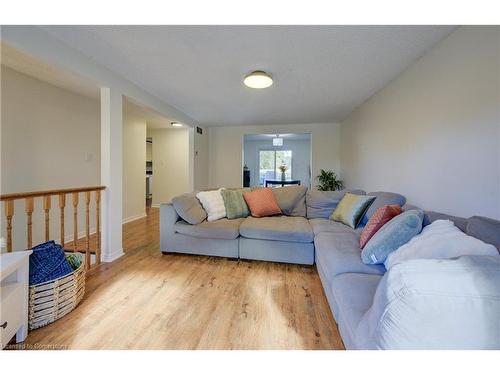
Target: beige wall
(170,163)
(50,139)
(433,134)
(134,167)
(225,149)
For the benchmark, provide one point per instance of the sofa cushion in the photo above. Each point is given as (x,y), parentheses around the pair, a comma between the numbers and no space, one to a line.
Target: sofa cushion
(431,216)
(291,199)
(261,202)
(435,304)
(327,225)
(278,228)
(351,208)
(189,208)
(223,229)
(234,203)
(353,294)
(382,198)
(339,252)
(485,229)
(320,204)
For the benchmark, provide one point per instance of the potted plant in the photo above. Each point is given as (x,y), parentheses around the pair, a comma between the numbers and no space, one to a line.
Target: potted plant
(328,181)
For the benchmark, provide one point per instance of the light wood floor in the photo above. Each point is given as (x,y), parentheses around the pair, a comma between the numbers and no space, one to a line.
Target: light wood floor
(146,300)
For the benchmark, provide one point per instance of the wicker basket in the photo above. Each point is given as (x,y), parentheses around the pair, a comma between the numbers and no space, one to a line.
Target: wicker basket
(53,299)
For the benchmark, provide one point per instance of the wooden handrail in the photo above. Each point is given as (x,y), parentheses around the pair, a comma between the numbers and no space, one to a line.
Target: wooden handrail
(34,194)
(29,203)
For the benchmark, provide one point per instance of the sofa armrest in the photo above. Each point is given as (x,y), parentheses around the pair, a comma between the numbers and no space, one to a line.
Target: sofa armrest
(168,217)
(435,304)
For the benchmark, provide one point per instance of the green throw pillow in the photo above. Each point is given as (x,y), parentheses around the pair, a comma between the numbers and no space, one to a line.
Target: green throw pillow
(235,203)
(351,209)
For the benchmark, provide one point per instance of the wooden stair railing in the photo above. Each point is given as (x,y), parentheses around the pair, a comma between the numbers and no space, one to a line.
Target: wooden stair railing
(29,199)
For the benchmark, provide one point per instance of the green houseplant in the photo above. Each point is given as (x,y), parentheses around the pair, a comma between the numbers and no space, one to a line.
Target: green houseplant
(328,181)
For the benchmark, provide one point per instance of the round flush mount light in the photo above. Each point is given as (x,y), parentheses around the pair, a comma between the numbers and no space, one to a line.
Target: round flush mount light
(176,124)
(258,79)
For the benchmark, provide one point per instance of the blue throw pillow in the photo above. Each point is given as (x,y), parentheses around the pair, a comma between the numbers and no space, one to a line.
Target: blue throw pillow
(392,235)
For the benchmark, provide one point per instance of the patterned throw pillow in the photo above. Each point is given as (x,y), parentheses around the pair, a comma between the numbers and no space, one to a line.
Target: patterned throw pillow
(235,204)
(262,202)
(351,209)
(377,221)
(213,203)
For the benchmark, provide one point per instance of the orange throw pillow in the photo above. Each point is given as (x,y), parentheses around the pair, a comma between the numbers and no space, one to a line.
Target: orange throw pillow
(377,221)
(262,202)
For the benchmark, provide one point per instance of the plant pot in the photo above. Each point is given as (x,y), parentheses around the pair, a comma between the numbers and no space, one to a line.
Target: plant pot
(283,176)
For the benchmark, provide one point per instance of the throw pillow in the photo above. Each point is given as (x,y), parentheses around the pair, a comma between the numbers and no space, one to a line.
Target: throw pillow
(377,221)
(189,208)
(351,209)
(235,204)
(392,235)
(440,240)
(262,202)
(213,204)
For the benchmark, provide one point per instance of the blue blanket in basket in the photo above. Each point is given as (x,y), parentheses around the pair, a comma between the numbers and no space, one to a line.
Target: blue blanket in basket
(48,262)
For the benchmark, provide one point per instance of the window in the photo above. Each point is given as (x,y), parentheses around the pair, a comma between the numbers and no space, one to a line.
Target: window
(269,163)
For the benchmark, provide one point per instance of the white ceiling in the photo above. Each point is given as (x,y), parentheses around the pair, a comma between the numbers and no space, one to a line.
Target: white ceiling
(321,73)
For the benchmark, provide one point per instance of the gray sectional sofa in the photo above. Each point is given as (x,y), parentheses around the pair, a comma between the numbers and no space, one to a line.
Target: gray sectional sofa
(374,309)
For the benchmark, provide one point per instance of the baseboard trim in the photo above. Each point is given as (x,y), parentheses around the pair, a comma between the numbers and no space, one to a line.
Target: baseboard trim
(112,256)
(133,218)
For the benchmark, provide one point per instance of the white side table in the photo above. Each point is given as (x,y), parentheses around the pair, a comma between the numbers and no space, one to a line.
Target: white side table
(14,279)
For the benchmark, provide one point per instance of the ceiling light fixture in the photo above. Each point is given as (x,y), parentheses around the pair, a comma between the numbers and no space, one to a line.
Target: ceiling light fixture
(176,124)
(277,141)
(258,80)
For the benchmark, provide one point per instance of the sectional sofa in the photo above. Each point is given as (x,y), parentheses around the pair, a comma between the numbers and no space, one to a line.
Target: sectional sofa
(420,304)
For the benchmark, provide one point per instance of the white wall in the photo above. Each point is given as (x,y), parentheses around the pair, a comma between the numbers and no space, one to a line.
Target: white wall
(433,134)
(201,160)
(50,139)
(226,149)
(134,167)
(301,158)
(170,163)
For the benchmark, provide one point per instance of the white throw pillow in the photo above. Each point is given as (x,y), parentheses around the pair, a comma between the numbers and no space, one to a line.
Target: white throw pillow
(213,203)
(439,240)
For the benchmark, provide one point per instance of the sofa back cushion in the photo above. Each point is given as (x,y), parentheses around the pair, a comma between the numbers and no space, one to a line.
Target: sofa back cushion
(234,202)
(320,204)
(262,202)
(485,229)
(291,200)
(382,198)
(189,208)
(431,216)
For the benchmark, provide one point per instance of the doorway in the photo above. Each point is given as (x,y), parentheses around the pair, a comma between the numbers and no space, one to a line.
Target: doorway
(277,159)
